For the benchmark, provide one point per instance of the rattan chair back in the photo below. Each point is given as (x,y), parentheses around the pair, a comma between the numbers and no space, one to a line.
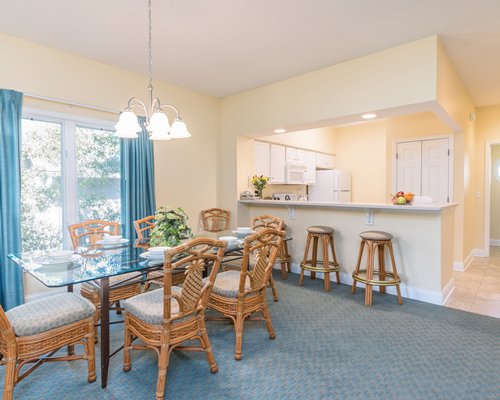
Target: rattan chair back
(144,226)
(267,221)
(87,233)
(215,219)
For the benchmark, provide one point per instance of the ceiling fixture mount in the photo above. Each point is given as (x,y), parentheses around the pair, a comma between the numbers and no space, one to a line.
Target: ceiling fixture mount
(279,130)
(156,120)
(369,116)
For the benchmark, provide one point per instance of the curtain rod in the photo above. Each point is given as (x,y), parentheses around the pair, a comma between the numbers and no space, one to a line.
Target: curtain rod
(70,103)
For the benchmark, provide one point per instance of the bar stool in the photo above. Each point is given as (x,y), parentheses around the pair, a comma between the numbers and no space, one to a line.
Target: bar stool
(376,240)
(325,234)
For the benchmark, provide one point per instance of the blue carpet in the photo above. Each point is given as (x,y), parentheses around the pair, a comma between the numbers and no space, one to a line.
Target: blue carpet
(328,346)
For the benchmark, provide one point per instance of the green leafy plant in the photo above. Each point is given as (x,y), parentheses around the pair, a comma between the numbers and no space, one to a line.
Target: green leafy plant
(170,227)
(259,183)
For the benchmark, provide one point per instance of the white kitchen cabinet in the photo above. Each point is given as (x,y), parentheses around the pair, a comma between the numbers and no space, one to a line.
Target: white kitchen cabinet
(262,158)
(325,161)
(296,156)
(310,167)
(277,164)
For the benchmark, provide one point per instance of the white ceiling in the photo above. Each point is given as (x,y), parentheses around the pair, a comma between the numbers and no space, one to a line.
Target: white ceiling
(222,47)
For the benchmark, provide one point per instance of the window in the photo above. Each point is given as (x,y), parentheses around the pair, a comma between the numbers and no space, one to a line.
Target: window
(70,171)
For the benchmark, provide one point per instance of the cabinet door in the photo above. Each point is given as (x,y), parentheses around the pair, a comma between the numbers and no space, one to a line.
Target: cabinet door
(278,157)
(330,161)
(262,157)
(300,157)
(291,154)
(325,161)
(310,167)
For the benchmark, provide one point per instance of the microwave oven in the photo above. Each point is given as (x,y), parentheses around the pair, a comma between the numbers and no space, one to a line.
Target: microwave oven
(295,174)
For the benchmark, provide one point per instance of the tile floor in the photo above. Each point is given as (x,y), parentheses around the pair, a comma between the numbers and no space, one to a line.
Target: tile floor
(478,288)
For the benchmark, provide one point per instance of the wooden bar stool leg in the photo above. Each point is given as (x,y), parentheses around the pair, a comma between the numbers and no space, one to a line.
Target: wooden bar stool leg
(304,260)
(326,274)
(369,273)
(314,260)
(287,255)
(381,265)
(358,264)
(395,272)
(334,257)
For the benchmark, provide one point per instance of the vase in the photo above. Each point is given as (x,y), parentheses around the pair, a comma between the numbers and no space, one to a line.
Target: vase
(259,193)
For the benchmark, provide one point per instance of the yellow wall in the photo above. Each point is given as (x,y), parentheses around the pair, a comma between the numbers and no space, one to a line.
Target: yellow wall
(320,139)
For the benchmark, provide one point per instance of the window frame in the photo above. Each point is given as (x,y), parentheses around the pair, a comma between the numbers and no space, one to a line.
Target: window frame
(69,124)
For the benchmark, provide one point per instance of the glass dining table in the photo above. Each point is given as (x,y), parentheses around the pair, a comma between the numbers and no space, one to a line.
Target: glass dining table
(100,263)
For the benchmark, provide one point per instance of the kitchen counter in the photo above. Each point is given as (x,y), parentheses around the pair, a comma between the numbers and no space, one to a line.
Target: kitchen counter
(423,238)
(373,206)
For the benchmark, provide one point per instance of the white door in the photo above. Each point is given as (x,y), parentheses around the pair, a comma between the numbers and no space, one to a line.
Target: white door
(422,167)
(435,172)
(409,167)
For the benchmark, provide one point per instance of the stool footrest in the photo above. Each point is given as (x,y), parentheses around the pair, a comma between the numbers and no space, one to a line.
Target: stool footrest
(332,267)
(375,282)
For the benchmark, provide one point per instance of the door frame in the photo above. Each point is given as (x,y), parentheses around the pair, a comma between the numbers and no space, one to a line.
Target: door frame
(451,143)
(487,195)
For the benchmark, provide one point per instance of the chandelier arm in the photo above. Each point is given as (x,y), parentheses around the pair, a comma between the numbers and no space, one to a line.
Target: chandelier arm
(136,102)
(162,106)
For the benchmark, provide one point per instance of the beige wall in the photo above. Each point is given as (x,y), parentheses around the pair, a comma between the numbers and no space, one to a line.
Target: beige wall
(361,149)
(320,139)
(495,196)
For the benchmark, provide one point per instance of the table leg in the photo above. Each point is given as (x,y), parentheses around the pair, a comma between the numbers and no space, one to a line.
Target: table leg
(104,331)
(71,348)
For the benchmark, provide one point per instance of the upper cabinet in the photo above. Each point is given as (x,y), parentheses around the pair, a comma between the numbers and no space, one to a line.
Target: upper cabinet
(277,164)
(296,156)
(262,157)
(325,161)
(310,167)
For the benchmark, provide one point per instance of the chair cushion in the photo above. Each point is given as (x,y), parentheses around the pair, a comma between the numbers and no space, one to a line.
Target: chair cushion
(227,284)
(48,313)
(320,229)
(148,306)
(375,235)
(113,280)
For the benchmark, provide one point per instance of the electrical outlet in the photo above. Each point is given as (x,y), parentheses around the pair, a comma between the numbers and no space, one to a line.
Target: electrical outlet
(369,216)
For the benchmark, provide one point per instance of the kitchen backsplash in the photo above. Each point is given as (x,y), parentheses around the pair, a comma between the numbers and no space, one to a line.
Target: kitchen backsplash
(299,190)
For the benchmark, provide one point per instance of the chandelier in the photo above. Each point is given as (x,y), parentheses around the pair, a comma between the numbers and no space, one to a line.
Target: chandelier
(156,122)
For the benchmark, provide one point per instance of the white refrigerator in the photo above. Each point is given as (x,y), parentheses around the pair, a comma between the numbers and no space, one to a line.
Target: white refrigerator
(332,185)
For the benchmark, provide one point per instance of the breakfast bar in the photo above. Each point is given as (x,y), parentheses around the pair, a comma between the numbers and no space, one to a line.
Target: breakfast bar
(423,238)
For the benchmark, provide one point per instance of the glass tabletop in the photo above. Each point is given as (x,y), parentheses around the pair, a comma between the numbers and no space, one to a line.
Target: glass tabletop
(84,265)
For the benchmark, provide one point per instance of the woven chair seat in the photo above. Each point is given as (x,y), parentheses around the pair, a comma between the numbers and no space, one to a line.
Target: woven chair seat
(49,313)
(113,280)
(321,229)
(148,306)
(375,235)
(227,284)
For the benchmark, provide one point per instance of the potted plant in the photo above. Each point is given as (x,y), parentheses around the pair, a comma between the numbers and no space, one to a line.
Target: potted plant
(259,183)
(170,227)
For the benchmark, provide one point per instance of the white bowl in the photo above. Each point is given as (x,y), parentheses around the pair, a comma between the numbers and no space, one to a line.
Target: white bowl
(229,239)
(112,238)
(159,250)
(243,229)
(60,255)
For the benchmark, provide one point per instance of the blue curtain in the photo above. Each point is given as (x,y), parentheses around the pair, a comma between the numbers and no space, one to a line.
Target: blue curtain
(137,180)
(11,276)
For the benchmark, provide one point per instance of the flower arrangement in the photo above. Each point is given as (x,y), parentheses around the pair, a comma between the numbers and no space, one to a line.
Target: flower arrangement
(170,227)
(259,183)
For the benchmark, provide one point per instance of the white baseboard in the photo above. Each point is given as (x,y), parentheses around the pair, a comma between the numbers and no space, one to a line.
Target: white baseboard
(462,266)
(494,242)
(409,292)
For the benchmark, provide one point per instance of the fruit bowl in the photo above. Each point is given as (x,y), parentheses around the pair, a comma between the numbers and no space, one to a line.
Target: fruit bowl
(402,198)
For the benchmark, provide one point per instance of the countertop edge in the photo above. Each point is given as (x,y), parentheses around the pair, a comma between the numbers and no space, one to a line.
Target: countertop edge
(374,206)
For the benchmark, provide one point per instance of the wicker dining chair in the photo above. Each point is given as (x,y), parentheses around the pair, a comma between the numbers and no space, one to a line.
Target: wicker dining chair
(144,226)
(239,294)
(88,233)
(215,219)
(163,319)
(33,332)
(283,257)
